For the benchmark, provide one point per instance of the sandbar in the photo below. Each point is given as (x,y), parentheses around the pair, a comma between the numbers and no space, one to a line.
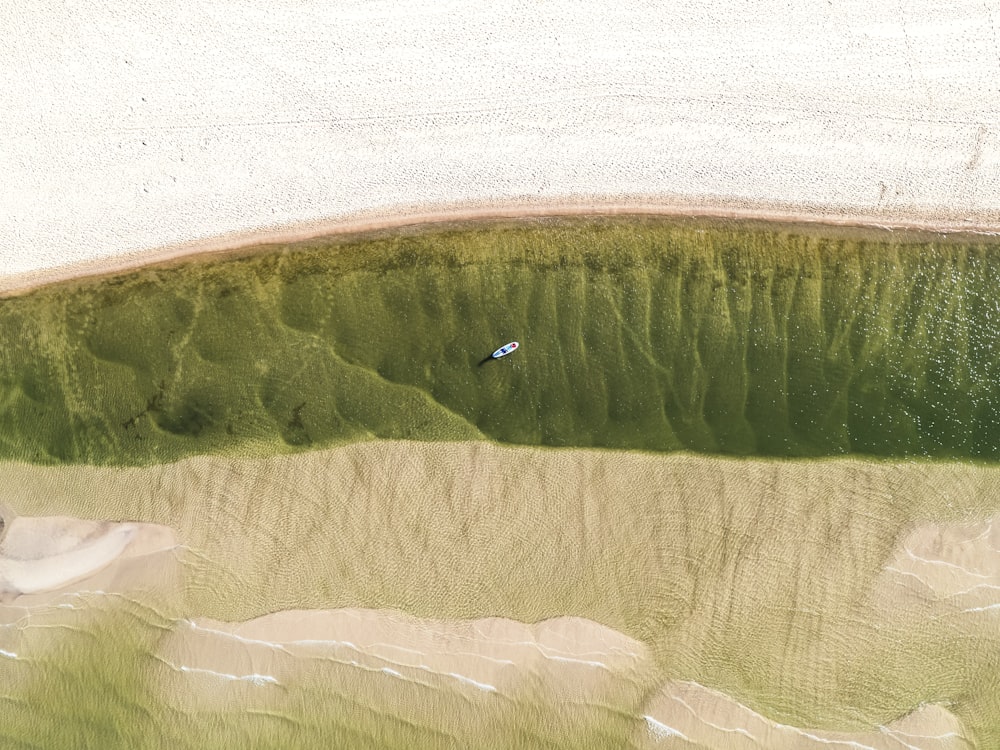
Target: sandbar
(712,563)
(160,137)
(51,553)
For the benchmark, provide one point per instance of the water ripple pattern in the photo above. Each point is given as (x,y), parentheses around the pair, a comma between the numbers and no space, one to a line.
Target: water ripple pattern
(636,334)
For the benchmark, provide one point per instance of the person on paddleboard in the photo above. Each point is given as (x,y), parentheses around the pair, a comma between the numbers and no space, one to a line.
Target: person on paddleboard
(503,351)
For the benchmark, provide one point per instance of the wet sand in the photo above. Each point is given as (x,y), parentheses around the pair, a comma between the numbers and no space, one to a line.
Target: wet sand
(712,564)
(762,579)
(687,715)
(49,555)
(396,664)
(391,679)
(491,661)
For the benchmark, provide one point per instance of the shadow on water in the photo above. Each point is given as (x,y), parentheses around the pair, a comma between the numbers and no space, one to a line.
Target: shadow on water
(484,360)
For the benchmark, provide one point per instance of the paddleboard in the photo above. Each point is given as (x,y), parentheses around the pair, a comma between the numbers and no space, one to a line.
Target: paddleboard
(504,350)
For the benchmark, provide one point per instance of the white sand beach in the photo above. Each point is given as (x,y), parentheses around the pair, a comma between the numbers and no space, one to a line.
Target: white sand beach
(129,128)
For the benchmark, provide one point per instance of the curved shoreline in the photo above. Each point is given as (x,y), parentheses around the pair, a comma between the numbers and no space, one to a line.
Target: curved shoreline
(400,217)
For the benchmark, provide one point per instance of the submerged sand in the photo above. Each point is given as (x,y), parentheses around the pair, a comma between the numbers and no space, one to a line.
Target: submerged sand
(571,667)
(834,593)
(49,554)
(409,669)
(449,528)
(797,589)
(382,674)
(687,715)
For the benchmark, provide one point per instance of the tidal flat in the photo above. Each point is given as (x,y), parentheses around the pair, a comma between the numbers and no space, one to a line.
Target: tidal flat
(738,484)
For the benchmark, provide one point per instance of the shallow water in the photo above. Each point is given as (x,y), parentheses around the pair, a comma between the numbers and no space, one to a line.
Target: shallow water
(762,578)
(636,334)
(94,675)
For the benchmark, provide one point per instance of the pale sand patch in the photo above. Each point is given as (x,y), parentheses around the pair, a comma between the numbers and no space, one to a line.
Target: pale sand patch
(128,128)
(49,554)
(954,567)
(52,568)
(480,683)
(560,662)
(686,714)
(408,669)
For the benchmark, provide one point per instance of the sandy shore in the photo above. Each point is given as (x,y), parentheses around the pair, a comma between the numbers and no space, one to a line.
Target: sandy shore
(409,669)
(129,130)
(403,521)
(687,715)
(378,674)
(561,661)
(402,217)
(135,137)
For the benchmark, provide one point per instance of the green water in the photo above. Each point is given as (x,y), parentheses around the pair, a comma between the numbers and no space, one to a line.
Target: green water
(636,334)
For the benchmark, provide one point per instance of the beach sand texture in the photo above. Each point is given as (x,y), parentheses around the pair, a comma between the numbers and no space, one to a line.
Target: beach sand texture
(702,560)
(130,128)
(695,563)
(777,583)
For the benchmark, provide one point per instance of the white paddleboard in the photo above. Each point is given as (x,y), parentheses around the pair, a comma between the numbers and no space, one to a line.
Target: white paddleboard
(506,349)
